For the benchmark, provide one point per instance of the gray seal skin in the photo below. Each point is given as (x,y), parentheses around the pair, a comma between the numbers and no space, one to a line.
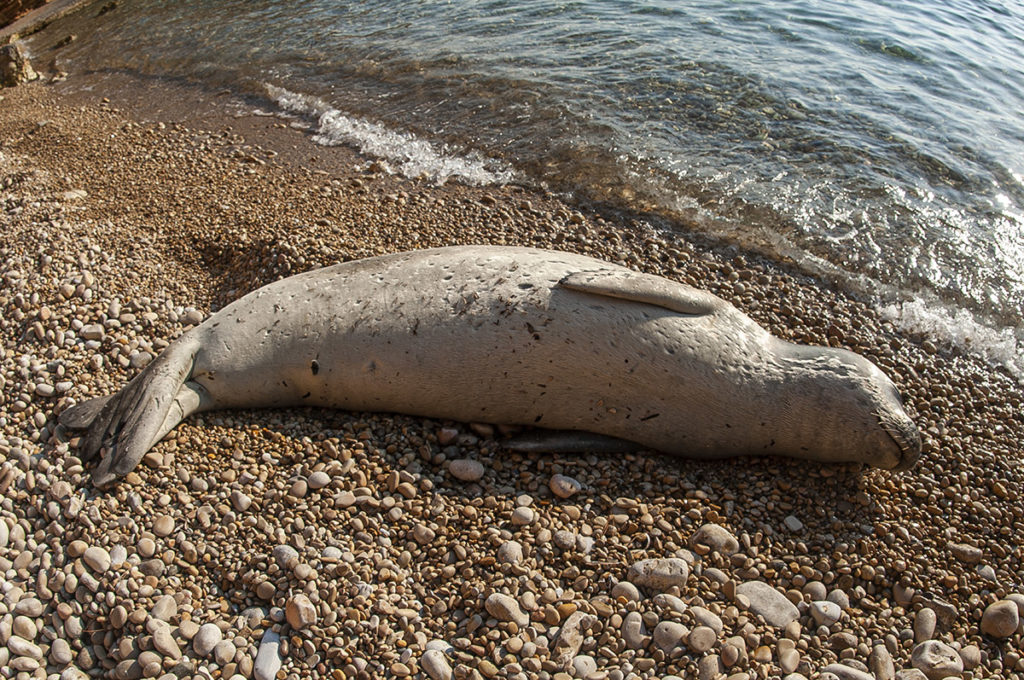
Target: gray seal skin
(513,336)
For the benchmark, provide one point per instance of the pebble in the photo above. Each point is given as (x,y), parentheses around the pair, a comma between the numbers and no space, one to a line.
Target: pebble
(793,524)
(146,547)
(60,652)
(21,647)
(924,624)
(29,606)
(24,627)
(702,615)
(627,591)
(318,480)
(240,501)
(466,469)
(715,537)
(564,487)
(163,642)
(423,534)
(165,608)
(633,631)
(436,665)
(1000,619)
(163,525)
(300,612)
(659,573)
(844,672)
(966,553)
(701,639)
(971,656)
(510,552)
(283,555)
(936,660)
(768,603)
(505,608)
(910,674)
(668,635)
(206,638)
(268,658)
(97,558)
(523,516)
(825,613)
(880,663)
(583,665)
(570,638)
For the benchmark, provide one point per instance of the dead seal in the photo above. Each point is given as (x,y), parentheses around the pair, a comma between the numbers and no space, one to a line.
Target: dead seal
(513,336)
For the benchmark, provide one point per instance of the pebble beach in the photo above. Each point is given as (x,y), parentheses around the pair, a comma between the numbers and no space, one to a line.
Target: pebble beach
(318,544)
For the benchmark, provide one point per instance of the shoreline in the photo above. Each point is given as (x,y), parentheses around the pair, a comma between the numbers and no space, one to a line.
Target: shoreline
(141,222)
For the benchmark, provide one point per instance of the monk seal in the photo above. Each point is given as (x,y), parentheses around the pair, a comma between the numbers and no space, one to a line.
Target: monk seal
(513,336)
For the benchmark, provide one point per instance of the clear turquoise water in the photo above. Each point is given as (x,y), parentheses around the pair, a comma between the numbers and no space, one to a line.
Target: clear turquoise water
(878,143)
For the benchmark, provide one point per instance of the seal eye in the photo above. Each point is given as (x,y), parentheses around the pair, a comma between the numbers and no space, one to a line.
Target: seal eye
(315,366)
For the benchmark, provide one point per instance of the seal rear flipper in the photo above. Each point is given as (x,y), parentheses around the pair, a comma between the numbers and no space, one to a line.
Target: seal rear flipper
(143,412)
(645,288)
(81,416)
(570,441)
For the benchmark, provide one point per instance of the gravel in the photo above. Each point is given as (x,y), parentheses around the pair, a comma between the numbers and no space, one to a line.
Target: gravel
(407,535)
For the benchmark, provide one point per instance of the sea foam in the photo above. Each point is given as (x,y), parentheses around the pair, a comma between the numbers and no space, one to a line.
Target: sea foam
(958,327)
(408,154)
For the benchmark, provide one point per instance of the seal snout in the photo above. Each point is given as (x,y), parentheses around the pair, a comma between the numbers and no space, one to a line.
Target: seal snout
(907,437)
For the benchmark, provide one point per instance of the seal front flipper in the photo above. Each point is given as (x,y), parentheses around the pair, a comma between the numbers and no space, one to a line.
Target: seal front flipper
(569,441)
(125,427)
(644,288)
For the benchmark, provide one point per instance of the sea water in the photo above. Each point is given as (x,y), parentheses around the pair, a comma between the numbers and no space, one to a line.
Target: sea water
(877,144)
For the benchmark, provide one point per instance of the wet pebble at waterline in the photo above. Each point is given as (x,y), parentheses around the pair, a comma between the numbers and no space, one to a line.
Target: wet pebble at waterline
(322,544)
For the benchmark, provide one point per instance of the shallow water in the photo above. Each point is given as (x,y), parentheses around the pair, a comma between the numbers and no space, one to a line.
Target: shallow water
(876,143)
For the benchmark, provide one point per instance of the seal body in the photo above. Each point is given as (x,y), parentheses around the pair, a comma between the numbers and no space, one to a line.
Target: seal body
(515,336)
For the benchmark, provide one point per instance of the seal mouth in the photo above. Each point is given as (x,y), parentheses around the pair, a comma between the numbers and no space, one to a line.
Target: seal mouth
(906,436)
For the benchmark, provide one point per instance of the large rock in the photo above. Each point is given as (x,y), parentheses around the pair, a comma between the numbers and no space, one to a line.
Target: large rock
(768,603)
(14,66)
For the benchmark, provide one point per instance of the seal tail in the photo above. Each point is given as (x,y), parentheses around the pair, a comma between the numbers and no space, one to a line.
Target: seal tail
(125,425)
